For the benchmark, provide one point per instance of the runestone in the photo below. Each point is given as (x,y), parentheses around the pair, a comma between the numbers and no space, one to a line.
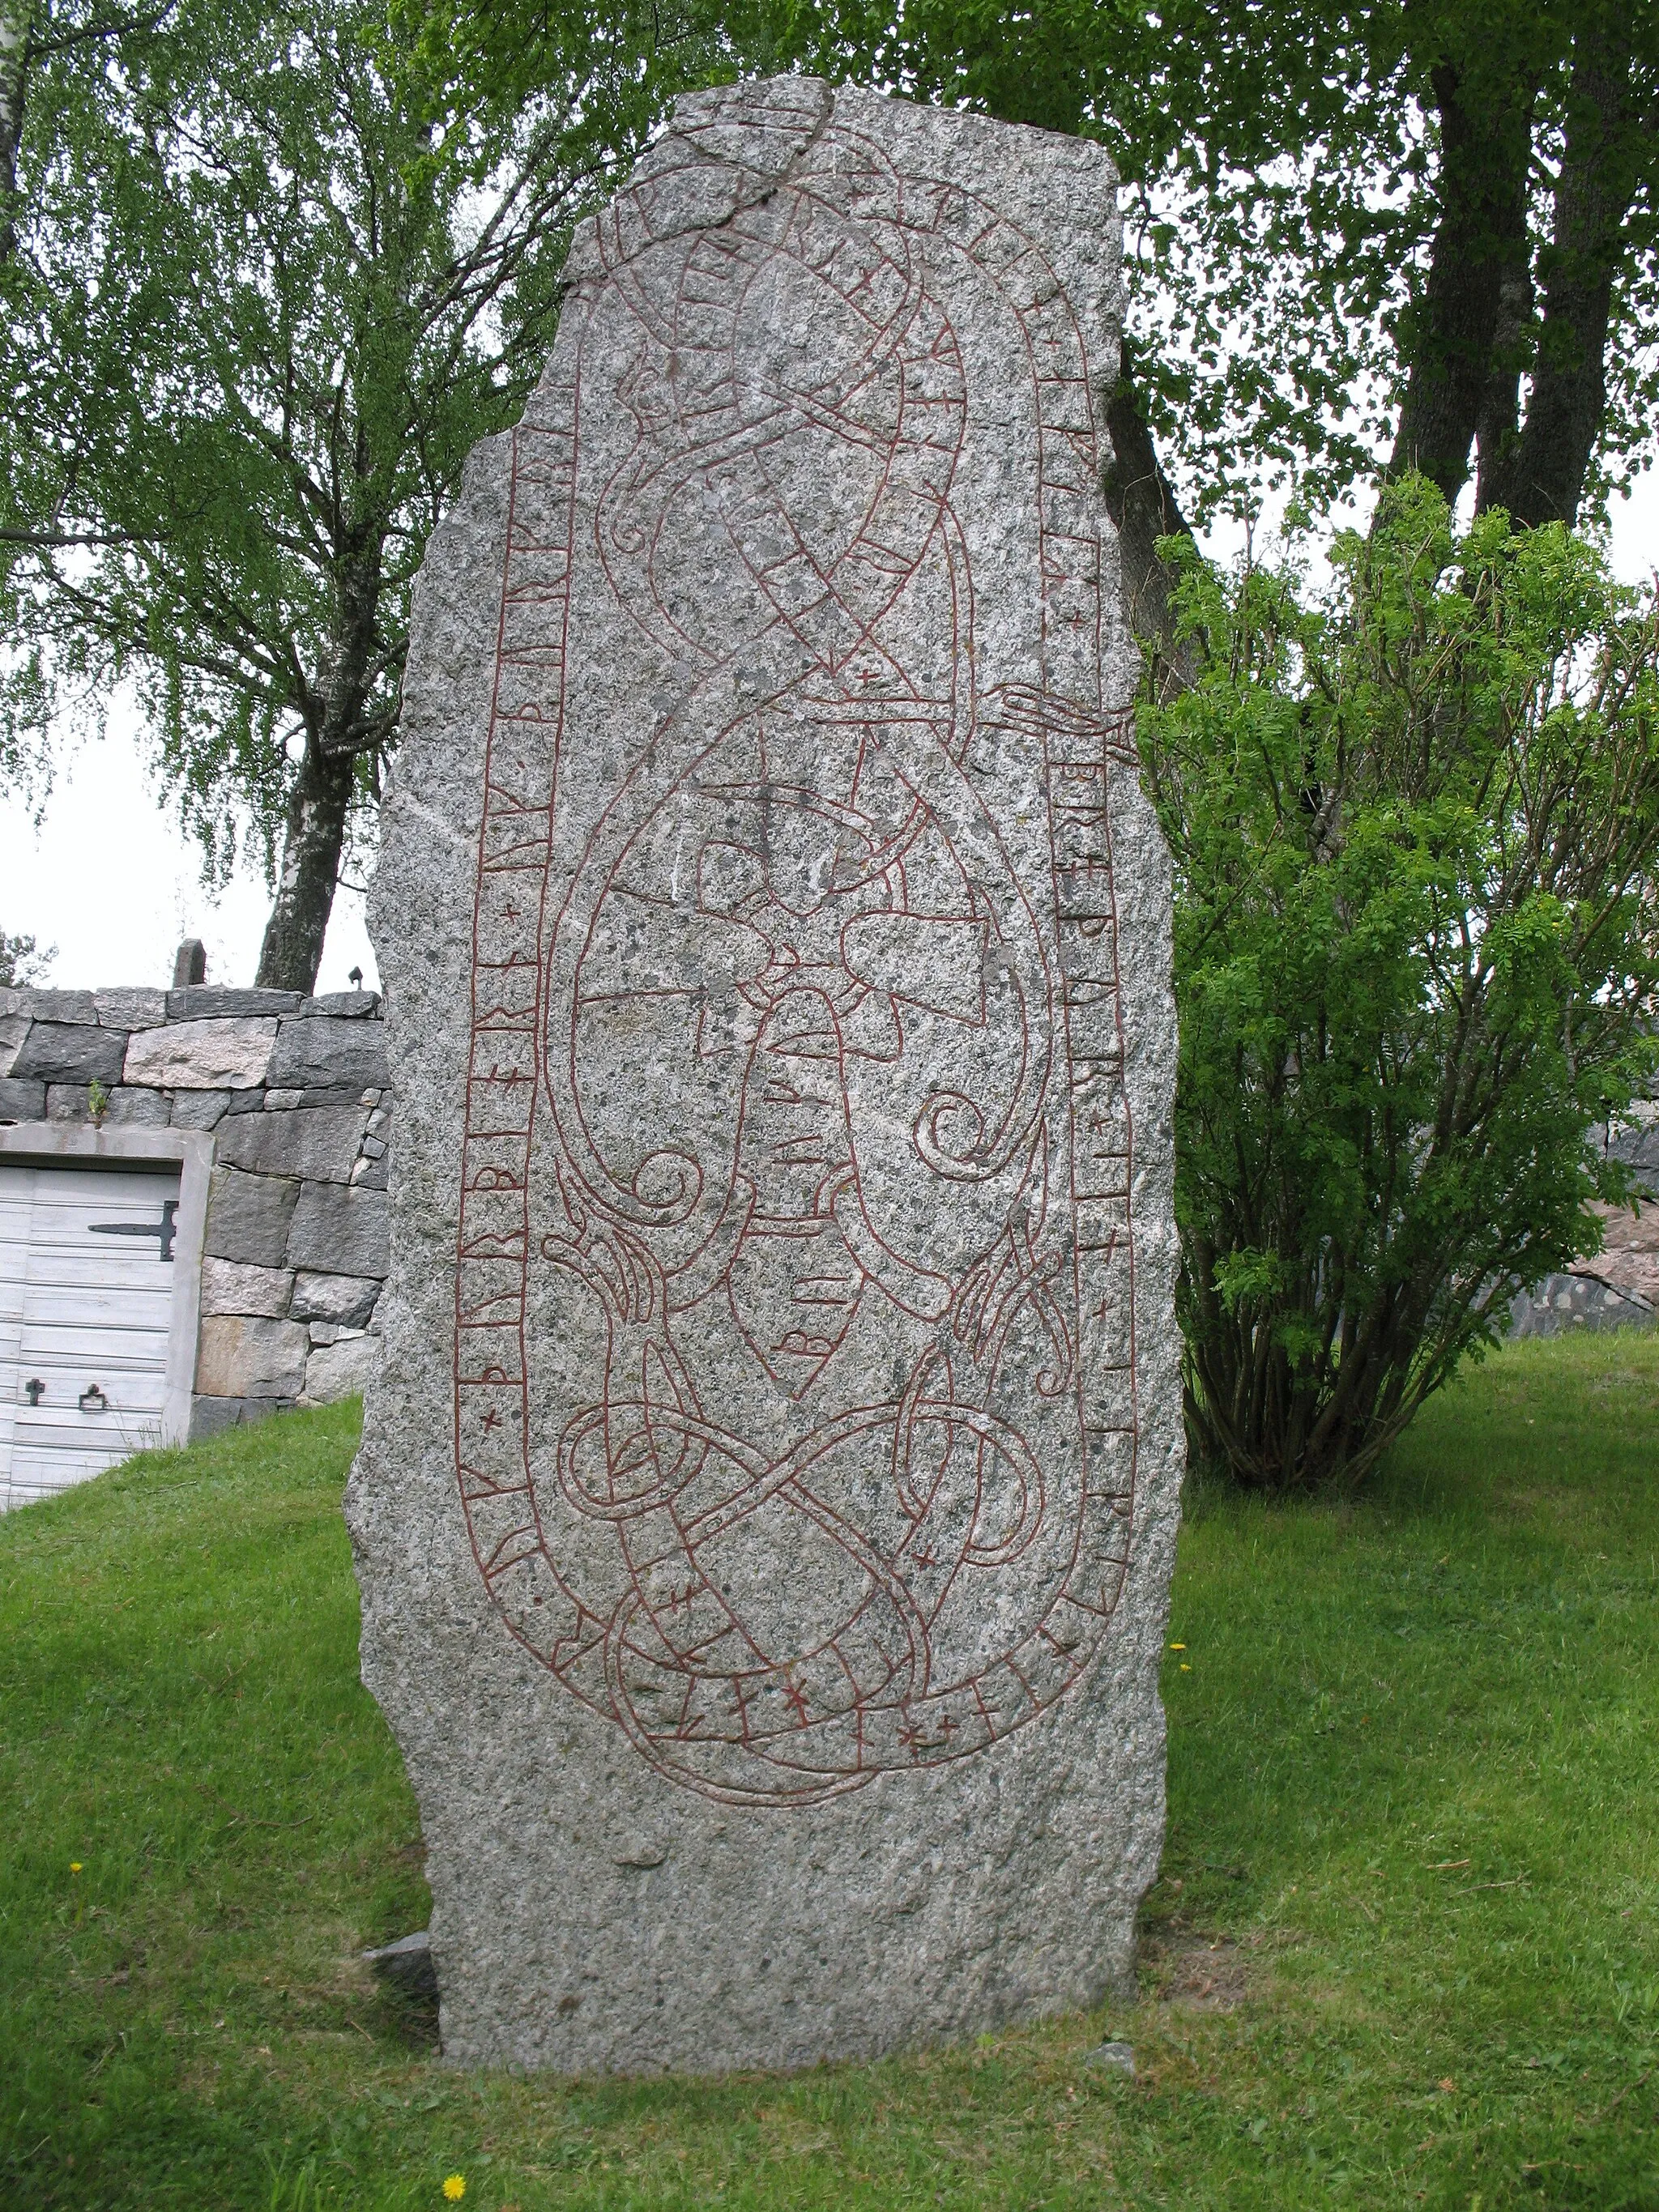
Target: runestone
(765,1514)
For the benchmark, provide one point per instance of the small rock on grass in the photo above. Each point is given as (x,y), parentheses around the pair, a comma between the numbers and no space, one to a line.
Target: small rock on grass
(1117,2057)
(407,1964)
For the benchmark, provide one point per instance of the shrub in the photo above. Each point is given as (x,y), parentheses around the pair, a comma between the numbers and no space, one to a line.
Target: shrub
(1417,955)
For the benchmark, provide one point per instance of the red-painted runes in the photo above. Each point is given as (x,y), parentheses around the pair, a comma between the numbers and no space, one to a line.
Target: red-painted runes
(794,1363)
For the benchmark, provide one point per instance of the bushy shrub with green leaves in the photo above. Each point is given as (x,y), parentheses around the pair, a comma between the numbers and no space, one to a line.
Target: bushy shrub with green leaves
(1417,959)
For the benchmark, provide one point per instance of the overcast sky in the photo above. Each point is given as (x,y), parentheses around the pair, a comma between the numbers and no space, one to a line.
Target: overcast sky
(110,880)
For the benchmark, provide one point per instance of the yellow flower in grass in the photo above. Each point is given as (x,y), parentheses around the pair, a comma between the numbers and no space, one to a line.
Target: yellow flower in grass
(455,2188)
(1177,1647)
(75,1866)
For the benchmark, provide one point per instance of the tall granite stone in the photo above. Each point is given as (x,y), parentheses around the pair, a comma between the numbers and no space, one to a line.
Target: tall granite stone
(765,1513)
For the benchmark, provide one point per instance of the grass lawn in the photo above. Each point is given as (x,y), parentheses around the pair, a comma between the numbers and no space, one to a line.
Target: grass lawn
(1405,1950)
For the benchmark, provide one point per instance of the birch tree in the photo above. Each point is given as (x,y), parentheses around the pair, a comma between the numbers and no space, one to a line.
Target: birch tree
(273,287)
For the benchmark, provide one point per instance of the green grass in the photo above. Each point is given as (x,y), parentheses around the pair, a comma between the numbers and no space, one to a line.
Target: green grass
(1404,1951)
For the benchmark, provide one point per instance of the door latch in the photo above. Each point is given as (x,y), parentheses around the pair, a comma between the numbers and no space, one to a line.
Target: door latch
(93,1400)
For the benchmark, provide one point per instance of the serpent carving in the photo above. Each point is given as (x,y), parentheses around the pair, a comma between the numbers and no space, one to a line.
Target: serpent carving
(798,1172)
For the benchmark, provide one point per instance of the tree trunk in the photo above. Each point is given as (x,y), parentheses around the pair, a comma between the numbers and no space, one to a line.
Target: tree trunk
(1541,479)
(14,20)
(320,803)
(1142,505)
(1448,340)
(314,837)
(1498,423)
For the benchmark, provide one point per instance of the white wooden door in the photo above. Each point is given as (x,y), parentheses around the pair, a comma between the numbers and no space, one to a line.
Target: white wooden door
(86,1285)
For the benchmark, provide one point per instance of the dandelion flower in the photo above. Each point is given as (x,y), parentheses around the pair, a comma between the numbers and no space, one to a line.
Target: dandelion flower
(455,2187)
(75,1866)
(1177,1647)
(1185,1668)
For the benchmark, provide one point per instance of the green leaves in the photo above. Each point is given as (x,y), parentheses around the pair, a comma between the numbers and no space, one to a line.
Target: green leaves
(1287,174)
(1414,827)
(273,285)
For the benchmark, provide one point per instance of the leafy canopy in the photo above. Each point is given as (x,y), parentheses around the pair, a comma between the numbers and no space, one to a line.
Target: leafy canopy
(1286,177)
(23,962)
(270,290)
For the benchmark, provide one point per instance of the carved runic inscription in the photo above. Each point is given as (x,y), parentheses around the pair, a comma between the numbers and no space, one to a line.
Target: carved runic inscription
(795,1410)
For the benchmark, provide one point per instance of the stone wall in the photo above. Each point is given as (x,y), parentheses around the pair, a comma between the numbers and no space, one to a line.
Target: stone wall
(1620,1287)
(293,1091)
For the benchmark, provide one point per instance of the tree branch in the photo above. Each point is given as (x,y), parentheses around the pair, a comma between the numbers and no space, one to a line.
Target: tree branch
(45,541)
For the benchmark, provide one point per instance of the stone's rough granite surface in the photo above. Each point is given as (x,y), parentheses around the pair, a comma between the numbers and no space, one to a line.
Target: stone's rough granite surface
(243,1357)
(200,1110)
(21,1099)
(320,1142)
(323,1053)
(230,1286)
(64,1005)
(408,1962)
(248,1216)
(344,1006)
(339,1231)
(133,1008)
(766,1507)
(72,1102)
(211,1416)
(70,1052)
(190,964)
(13,1028)
(220,1001)
(338,1370)
(218,1054)
(347,1300)
(129,1106)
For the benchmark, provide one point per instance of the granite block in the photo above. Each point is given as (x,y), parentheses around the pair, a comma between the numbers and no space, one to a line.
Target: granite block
(313,1054)
(71,1052)
(319,1143)
(249,1216)
(229,1054)
(338,1231)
